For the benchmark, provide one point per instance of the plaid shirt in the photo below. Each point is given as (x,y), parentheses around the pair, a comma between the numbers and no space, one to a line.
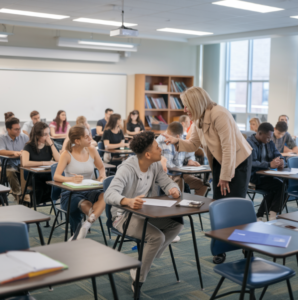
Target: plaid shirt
(286,140)
(174,158)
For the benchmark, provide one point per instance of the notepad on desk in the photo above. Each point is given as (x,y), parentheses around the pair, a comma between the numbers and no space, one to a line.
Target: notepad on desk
(16,265)
(292,172)
(86,183)
(192,168)
(157,202)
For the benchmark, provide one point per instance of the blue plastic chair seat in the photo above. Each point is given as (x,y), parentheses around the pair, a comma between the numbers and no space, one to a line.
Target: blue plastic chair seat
(263,273)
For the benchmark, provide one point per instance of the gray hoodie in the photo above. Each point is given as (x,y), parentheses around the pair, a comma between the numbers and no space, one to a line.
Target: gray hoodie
(129,182)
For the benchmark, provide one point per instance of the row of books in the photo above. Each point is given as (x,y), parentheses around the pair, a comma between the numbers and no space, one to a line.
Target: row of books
(155,120)
(155,103)
(176,103)
(178,87)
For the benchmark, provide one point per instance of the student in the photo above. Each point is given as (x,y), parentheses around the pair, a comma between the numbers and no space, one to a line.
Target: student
(6,117)
(254,124)
(59,127)
(113,136)
(185,122)
(81,120)
(27,126)
(101,124)
(178,159)
(133,181)
(283,118)
(134,124)
(78,163)
(40,151)
(12,144)
(282,139)
(266,156)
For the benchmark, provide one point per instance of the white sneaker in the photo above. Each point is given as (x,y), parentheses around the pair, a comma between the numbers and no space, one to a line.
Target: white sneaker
(70,239)
(84,230)
(133,274)
(260,219)
(176,239)
(92,218)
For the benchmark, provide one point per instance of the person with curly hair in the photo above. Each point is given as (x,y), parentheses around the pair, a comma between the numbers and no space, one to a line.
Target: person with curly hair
(135,180)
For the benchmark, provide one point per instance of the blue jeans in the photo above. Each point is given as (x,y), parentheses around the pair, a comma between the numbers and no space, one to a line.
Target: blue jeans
(76,214)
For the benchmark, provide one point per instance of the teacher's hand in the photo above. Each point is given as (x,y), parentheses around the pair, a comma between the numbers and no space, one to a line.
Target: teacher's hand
(170,139)
(224,187)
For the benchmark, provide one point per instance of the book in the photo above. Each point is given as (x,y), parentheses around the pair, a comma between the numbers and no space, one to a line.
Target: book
(252,237)
(86,183)
(16,265)
(161,119)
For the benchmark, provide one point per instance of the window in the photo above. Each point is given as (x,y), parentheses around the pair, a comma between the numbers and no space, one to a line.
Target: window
(247,84)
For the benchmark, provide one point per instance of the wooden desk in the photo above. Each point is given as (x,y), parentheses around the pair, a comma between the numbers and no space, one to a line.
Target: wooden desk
(4,190)
(101,260)
(293,216)
(5,160)
(158,212)
(275,252)
(20,213)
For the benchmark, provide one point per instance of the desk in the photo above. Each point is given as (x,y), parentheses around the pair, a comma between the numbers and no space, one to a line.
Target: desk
(20,213)
(275,252)
(117,151)
(5,160)
(158,212)
(293,216)
(101,260)
(4,190)
(289,154)
(109,167)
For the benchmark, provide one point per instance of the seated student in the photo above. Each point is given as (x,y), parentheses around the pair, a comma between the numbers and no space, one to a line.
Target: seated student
(27,126)
(185,122)
(6,117)
(40,151)
(133,181)
(179,159)
(81,120)
(59,127)
(254,124)
(134,125)
(101,124)
(113,136)
(266,156)
(12,144)
(282,139)
(285,118)
(78,163)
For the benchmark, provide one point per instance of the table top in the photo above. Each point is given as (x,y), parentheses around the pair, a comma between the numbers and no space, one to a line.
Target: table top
(117,151)
(291,176)
(9,157)
(293,216)
(178,170)
(101,260)
(289,154)
(109,166)
(158,212)
(31,169)
(20,213)
(68,188)
(4,189)
(223,234)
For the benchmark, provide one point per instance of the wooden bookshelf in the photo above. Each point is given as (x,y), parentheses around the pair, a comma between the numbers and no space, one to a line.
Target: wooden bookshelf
(143,80)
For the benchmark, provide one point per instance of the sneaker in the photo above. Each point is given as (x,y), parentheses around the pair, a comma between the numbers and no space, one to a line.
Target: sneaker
(219,259)
(70,239)
(133,274)
(176,239)
(84,230)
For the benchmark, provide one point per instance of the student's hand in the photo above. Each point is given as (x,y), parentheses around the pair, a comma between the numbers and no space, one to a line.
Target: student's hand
(49,141)
(17,153)
(137,202)
(101,179)
(137,129)
(77,178)
(275,163)
(170,139)
(174,192)
(164,164)
(224,187)
(193,163)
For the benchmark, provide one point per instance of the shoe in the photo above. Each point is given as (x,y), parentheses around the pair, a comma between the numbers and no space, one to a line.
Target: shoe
(133,288)
(84,230)
(91,218)
(70,239)
(219,259)
(133,274)
(260,219)
(176,239)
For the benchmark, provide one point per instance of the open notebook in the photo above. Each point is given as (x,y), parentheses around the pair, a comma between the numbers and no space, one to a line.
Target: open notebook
(84,184)
(17,265)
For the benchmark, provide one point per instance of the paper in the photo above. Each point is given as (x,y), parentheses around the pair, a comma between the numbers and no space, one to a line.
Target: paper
(282,172)
(84,183)
(157,202)
(38,169)
(188,203)
(191,168)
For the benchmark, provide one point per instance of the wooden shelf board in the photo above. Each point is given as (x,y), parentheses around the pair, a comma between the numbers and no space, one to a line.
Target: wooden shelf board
(176,109)
(156,109)
(156,92)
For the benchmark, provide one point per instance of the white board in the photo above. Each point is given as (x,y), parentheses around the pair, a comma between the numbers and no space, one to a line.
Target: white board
(87,94)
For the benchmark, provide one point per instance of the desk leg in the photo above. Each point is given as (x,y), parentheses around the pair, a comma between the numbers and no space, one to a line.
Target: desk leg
(247,265)
(94,287)
(196,250)
(283,190)
(26,186)
(67,217)
(34,193)
(40,234)
(113,286)
(124,232)
(140,259)
(3,170)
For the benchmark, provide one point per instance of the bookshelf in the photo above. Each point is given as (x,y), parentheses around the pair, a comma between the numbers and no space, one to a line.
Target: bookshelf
(144,87)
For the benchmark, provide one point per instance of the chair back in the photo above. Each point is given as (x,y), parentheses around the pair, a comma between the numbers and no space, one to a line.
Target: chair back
(13,236)
(55,192)
(106,184)
(101,146)
(293,184)
(93,132)
(229,212)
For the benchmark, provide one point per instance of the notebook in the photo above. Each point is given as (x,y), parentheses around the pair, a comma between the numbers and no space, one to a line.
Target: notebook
(16,265)
(260,238)
(193,168)
(86,183)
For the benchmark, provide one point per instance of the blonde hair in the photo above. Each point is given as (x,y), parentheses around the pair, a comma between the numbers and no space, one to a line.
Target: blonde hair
(81,120)
(75,133)
(257,120)
(197,101)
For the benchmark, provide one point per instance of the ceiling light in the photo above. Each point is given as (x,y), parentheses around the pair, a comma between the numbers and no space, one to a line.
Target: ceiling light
(294,17)
(3,36)
(247,6)
(190,32)
(32,14)
(105,44)
(102,22)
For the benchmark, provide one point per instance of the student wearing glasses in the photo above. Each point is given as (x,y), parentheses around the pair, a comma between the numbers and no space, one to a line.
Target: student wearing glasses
(134,124)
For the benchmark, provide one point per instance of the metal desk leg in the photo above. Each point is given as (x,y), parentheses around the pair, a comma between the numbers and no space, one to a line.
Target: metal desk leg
(124,232)
(247,265)
(94,287)
(283,190)
(196,250)
(113,286)
(67,217)
(34,193)
(3,170)
(26,186)
(40,234)
(140,259)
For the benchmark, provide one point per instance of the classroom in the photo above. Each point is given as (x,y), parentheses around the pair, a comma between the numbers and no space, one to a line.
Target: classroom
(148,149)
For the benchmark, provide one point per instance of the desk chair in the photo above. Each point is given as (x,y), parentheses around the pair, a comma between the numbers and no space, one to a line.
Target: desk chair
(292,184)
(232,212)
(106,184)
(100,146)
(93,132)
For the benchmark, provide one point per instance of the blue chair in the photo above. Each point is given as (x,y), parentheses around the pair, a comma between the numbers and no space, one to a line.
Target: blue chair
(100,146)
(93,132)
(106,184)
(233,212)
(292,184)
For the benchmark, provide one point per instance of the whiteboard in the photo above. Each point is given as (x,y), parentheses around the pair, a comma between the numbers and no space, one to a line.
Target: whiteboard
(87,94)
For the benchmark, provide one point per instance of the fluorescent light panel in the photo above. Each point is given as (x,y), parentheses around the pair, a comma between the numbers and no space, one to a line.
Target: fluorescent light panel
(247,6)
(105,44)
(32,14)
(103,22)
(189,32)
(294,17)
(3,36)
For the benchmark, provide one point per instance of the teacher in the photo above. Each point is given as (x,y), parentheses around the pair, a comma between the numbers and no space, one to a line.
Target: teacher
(228,152)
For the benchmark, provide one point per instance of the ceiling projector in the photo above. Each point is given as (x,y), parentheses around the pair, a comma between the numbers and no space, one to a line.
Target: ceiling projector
(124,32)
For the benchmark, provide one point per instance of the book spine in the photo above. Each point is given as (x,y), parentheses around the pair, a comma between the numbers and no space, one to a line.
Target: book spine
(173,82)
(184,86)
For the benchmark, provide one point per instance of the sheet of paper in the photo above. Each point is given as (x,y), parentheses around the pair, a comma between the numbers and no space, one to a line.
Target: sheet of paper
(85,182)
(190,168)
(157,202)
(38,169)
(282,172)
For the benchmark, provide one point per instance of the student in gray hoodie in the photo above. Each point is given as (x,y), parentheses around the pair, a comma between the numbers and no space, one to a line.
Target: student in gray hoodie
(134,180)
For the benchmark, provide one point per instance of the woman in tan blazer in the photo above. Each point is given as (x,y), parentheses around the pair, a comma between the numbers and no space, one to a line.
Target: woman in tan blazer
(228,152)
